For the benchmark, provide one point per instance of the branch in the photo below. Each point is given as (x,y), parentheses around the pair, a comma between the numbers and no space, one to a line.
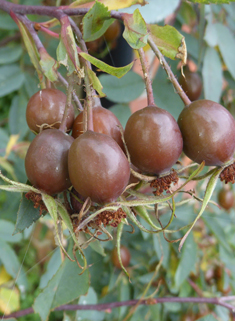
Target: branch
(113,305)
(169,72)
(48,11)
(147,79)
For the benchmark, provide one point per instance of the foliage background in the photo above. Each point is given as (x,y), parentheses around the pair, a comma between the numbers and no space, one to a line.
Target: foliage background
(30,262)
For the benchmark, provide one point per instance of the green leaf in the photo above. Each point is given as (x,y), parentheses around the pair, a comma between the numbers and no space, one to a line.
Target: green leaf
(49,65)
(187,261)
(6,231)
(4,138)
(65,286)
(215,227)
(135,33)
(118,245)
(95,82)
(155,10)
(211,34)
(208,193)
(123,90)
(52,267)
(17,119)
(162,248)
(12,264)
(122,112)
(90,298)
(96,22)
(10,54)
(115,71)
(170,42)
(212,75)
(6,23)
(210,2)
(11,79)
(97,247)
(165,96)
(209,317)
(30,45)
(26,215)
(226,43)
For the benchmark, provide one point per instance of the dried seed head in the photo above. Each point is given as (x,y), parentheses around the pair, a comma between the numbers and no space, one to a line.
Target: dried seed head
(164,183)
(228,174)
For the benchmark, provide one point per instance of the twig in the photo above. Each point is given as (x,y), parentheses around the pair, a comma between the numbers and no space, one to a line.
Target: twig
(5,41)
(147,79)
(169,72)
(75,97)
(113,305)
(89,98)
(63,127)
(49,11)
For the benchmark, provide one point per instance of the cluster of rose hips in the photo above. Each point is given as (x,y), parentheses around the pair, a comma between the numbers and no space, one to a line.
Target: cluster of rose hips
(95,162)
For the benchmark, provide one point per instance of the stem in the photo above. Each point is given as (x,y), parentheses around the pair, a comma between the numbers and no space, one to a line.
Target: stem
(51,11)
(75,97)
(63,127)
(88,105)
(113,305)
(169,72)
(83,47)
(147,79)
(49,32)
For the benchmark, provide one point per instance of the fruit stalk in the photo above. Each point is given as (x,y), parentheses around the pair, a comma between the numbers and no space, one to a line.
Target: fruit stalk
(75,97)
(88,105)
(169,72)
(63,127)
(147,79)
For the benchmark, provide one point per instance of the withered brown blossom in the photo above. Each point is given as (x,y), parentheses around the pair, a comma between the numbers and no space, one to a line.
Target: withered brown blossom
(37,200)
(163,183)
(112,218)
(228,174)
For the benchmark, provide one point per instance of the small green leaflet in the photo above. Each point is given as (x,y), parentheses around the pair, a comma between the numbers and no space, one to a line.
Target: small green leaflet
(96,22)
(115,71)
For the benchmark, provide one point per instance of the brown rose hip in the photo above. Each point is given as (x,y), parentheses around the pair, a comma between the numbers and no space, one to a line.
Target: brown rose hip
(153,140)
(46,161)
(105,122)
(208,131)
(47,107)
(98,168)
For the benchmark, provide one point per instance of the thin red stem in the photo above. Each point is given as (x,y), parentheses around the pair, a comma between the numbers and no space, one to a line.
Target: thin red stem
(49,32)
(147,79)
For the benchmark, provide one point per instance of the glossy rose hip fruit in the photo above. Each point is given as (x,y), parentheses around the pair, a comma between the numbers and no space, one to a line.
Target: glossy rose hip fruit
(98,168)
(47,107)
(191,84)
(208,131)
(46,161)
(125,257)
(226,198)
(153,140)
(105,122)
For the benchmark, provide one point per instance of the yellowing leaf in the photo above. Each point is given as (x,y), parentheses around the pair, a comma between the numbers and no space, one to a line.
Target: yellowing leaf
(121,4)
(111,4)
(170,42)
(9,300)
(12,141)
(4,276)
